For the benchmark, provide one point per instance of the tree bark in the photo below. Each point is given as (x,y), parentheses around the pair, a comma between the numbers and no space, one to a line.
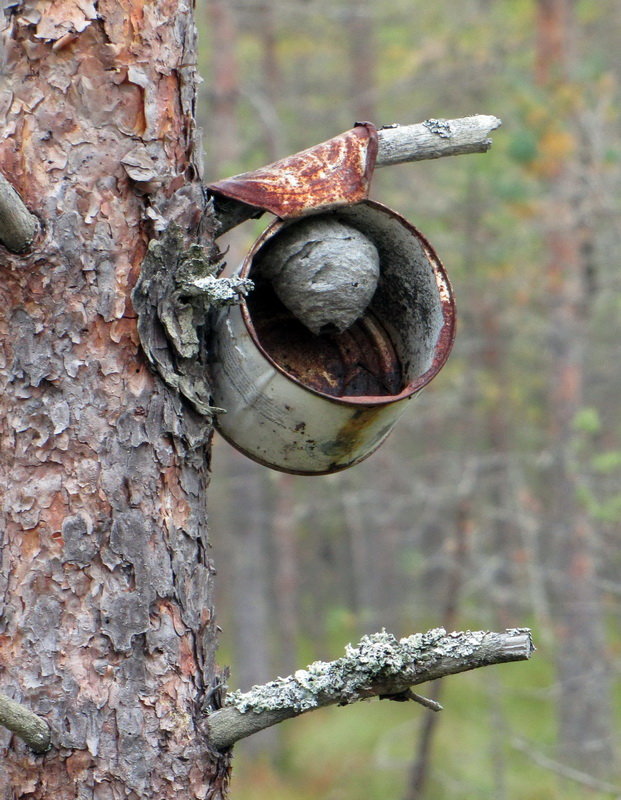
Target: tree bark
(106,625)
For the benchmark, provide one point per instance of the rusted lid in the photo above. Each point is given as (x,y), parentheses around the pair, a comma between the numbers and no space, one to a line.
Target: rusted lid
(329,175)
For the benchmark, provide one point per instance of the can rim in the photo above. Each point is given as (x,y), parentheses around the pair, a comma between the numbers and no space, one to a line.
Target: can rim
(441,349)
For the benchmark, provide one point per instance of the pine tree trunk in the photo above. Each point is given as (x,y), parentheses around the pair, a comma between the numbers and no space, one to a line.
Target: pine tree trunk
(106,626)
(361,27)
(225,148)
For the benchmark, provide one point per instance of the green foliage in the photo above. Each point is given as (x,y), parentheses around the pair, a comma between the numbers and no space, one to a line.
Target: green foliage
(587,420)
(523,147)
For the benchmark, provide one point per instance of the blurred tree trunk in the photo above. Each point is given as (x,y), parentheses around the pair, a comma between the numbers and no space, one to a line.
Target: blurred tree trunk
(503,526)
(363,565)
(224,142)
(362,60)
(387,541)
(459,547)
(368,514)
(106,625)
(486,314)
(286,578)
(249,517)
(585,688)
(272,83)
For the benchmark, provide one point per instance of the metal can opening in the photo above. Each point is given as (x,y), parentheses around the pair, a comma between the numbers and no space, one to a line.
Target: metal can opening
(318,403)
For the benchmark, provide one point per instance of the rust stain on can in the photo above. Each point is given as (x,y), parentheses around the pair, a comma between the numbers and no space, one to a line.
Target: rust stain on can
(329,175)
(352,434)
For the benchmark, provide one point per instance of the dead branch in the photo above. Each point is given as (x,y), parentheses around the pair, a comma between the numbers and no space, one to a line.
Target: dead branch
(397,144)
(435,138)
(28,726)
(18,227)
(380,665)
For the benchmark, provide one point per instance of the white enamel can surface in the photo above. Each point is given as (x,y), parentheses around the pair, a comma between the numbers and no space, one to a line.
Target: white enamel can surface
(275,419)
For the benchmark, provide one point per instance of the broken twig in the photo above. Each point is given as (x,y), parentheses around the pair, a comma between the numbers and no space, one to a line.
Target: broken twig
(18,227)
(28,726)
(435,138)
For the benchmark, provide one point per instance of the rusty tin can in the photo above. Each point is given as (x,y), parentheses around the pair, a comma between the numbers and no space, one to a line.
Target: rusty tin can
(314,405)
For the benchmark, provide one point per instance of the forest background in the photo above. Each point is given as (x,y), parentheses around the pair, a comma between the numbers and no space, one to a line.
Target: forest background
(497,502)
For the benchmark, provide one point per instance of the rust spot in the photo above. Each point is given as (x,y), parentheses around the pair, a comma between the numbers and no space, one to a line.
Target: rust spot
(359,362)
(352,434)
(331,174)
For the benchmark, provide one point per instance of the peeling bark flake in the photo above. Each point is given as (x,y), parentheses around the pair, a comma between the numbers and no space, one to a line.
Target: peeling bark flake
(62,18)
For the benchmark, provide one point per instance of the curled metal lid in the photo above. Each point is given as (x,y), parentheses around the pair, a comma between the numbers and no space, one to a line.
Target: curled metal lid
(329,175)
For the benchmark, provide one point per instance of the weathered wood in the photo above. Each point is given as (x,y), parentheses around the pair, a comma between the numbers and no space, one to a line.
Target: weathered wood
(18,227)
(380,666)
(435,138)
(28,726)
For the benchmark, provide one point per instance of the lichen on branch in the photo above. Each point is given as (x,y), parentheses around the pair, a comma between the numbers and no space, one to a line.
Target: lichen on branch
(380,665)
(377,657)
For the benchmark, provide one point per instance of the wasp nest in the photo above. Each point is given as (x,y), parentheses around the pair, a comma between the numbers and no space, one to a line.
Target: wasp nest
(323,271)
